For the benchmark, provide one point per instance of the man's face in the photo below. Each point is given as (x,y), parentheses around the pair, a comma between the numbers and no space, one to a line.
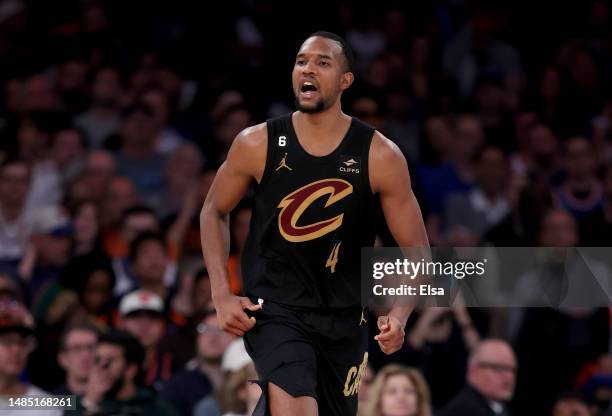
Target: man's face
(138,129)
(212,340)
(120,196)
(67,147)
(319,74)
(110,362)
(148,327)
(77,357)
(558,230)
(14,350)
(99,170)
(579,158)
(14,184)
(106,90)
(150,263)
(492,170)
(469,136)
(98,290)
(493,374)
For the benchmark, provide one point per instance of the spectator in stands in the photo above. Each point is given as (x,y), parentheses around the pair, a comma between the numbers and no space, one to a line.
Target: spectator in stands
(367,378)
(142,314)
(91,278)
(33,136)
(135,221)
(16,222)
(102,119)
(100,168)
(67,152)
(120,196)
(398,391)
(77,348)
(149,263)
(138,159)
(113,386)
(456,172)
(476,52)
(439,342)
(581,192)
(16,343)
(50,249)
(236,395)
(571,404)
(191,304)
(182,175)
(203,375)
(596,228)
(86,226)
(490,382)
(168,138)
(487,203)
(239,228)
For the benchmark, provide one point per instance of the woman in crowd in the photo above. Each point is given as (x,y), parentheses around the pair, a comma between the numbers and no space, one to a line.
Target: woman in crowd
(398,391)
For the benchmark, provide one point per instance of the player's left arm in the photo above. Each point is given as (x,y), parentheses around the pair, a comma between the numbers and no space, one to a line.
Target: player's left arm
(389,177)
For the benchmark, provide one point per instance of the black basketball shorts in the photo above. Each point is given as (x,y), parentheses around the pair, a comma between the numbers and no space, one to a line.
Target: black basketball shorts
(310,352)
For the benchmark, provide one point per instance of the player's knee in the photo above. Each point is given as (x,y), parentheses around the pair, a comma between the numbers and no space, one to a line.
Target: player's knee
(282,403)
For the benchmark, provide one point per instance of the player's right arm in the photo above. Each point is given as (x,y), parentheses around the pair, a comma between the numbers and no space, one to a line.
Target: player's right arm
(245,161)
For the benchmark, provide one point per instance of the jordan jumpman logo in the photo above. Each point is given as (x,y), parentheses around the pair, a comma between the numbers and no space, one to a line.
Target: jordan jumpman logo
(283,163)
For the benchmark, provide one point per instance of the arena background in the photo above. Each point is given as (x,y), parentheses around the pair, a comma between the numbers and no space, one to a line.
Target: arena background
(120,113)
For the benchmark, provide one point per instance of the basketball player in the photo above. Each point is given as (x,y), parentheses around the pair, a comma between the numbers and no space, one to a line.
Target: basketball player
(319,174)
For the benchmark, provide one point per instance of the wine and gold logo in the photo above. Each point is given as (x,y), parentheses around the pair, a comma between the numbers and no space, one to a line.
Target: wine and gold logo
(353,378)
(293,206)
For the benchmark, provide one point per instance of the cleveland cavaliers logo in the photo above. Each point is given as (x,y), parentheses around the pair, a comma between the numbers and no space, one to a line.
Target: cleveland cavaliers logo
(293,206)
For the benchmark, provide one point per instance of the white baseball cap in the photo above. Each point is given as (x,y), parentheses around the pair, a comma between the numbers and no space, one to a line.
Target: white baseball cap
(141,300)
(235,356)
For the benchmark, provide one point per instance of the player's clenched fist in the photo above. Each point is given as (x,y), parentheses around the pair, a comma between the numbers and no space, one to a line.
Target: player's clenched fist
(230,313)
(391,336)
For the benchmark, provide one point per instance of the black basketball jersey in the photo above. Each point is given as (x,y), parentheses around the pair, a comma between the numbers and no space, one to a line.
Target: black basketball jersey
(311,216)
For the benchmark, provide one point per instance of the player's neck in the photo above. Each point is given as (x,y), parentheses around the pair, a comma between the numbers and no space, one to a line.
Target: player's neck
(321,124)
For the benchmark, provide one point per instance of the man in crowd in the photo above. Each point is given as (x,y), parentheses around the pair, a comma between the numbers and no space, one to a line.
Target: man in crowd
(142,315)
(16,343)
(76,356)
(490,382)
(113,385)
(204,373)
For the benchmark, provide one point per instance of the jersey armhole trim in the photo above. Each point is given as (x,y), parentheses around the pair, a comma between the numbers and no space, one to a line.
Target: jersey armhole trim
(269,154)
(365,177)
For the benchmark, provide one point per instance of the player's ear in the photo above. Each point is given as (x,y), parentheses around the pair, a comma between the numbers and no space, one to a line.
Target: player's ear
(346,80)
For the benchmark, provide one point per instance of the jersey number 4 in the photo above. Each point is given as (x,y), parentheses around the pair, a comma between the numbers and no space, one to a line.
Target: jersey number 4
(333,257)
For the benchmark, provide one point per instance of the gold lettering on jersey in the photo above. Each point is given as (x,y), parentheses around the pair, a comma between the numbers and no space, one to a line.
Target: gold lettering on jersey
(353,378)
(293,206)
(333,257)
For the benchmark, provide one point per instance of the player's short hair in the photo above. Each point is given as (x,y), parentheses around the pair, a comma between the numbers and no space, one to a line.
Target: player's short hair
(347,51)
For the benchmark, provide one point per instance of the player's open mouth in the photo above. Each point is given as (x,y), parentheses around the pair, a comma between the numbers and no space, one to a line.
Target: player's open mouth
(308,89)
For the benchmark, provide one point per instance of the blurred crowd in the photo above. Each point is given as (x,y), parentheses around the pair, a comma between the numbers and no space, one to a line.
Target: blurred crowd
(115,116)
